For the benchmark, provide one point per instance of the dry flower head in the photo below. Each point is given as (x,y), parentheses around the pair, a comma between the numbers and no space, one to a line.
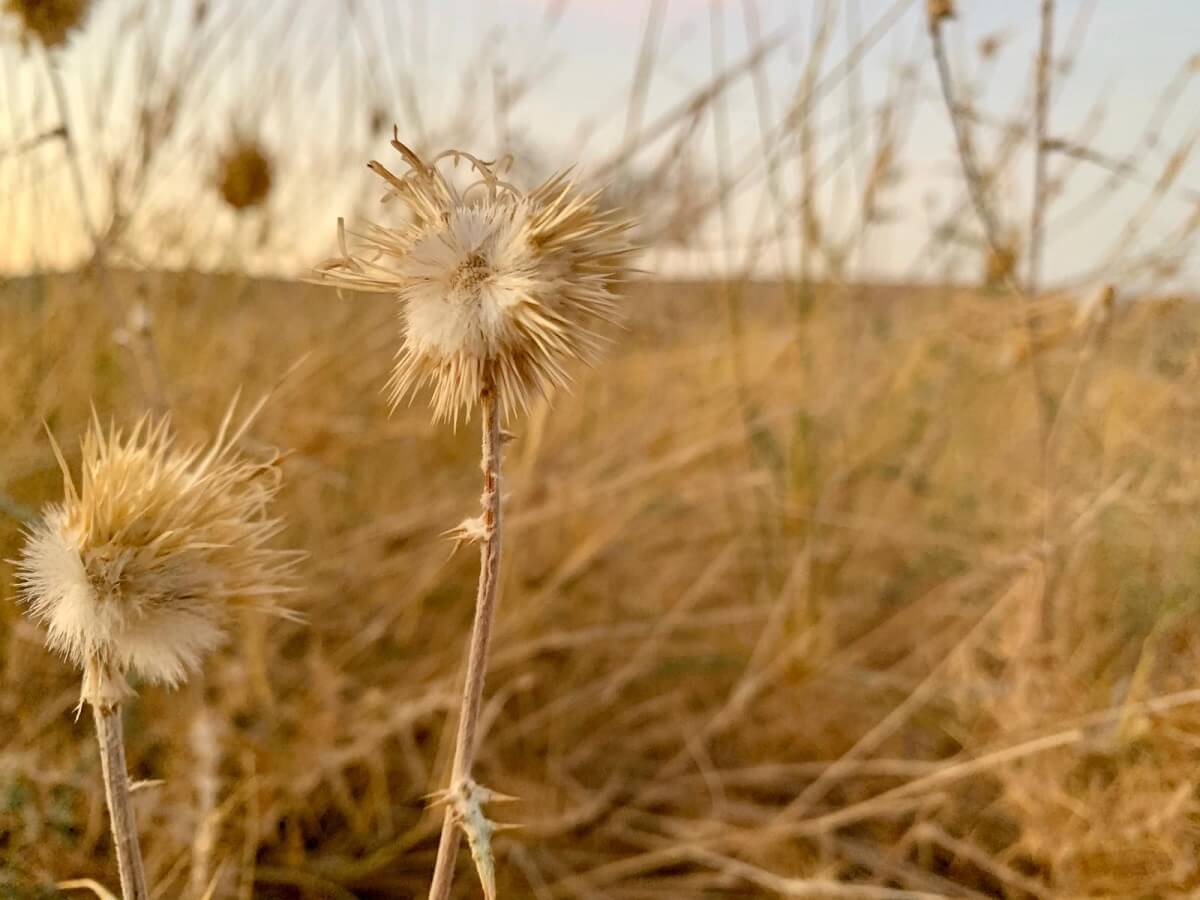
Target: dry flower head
(498,287)
(48,21)
(139,567)
(245,174)
(937,10)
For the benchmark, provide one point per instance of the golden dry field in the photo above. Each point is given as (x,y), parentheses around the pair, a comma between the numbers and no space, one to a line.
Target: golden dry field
(819,583)
(769,613)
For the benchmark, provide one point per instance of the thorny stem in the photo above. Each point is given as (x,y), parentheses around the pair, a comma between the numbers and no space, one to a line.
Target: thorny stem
(481,634)
(116,788)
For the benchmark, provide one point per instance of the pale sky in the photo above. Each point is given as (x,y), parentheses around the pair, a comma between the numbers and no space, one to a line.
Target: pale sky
(306,75)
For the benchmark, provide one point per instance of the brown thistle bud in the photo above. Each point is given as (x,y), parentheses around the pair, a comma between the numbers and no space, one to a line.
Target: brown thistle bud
(49,22)
(937,10)
(245,175)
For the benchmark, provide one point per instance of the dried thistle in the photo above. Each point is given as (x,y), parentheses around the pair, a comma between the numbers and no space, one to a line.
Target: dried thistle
(245,174)
(937,10)
(50,22)
(137,571)
(138,568)
(499,291)
(494,283)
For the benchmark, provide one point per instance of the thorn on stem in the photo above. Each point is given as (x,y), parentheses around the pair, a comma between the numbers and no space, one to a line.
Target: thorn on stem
(467,799)
(939,10)
(469,531)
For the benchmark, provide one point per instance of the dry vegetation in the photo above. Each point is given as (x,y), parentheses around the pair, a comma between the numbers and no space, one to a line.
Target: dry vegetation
(789,625)
(813,588)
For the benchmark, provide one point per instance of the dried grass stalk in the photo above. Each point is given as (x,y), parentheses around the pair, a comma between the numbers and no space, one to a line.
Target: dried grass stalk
(493,282)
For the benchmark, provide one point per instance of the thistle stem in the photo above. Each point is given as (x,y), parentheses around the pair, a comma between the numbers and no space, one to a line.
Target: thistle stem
(111,738)
(481,635)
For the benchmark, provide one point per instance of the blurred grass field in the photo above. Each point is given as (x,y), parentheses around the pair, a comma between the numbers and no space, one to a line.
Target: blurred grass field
(768,619)
(825,583)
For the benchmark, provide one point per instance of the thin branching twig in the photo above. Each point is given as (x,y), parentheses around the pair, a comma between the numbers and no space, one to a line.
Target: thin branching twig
(141,341)
(991,229)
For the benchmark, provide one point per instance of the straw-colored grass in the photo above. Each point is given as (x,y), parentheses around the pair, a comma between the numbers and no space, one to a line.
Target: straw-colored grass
(773,637)
(821,589)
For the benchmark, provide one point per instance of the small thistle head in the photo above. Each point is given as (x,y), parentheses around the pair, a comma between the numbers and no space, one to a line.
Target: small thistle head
(244,175)
(499,289)
(1000,261)
(140,565)
(937,10)
(49,22)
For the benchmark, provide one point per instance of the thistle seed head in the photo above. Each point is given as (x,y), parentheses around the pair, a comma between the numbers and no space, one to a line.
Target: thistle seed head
(139,567)
(498,288)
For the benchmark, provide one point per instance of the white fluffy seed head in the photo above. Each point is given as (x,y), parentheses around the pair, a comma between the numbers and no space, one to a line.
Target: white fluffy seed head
(498,288)
(139,567)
